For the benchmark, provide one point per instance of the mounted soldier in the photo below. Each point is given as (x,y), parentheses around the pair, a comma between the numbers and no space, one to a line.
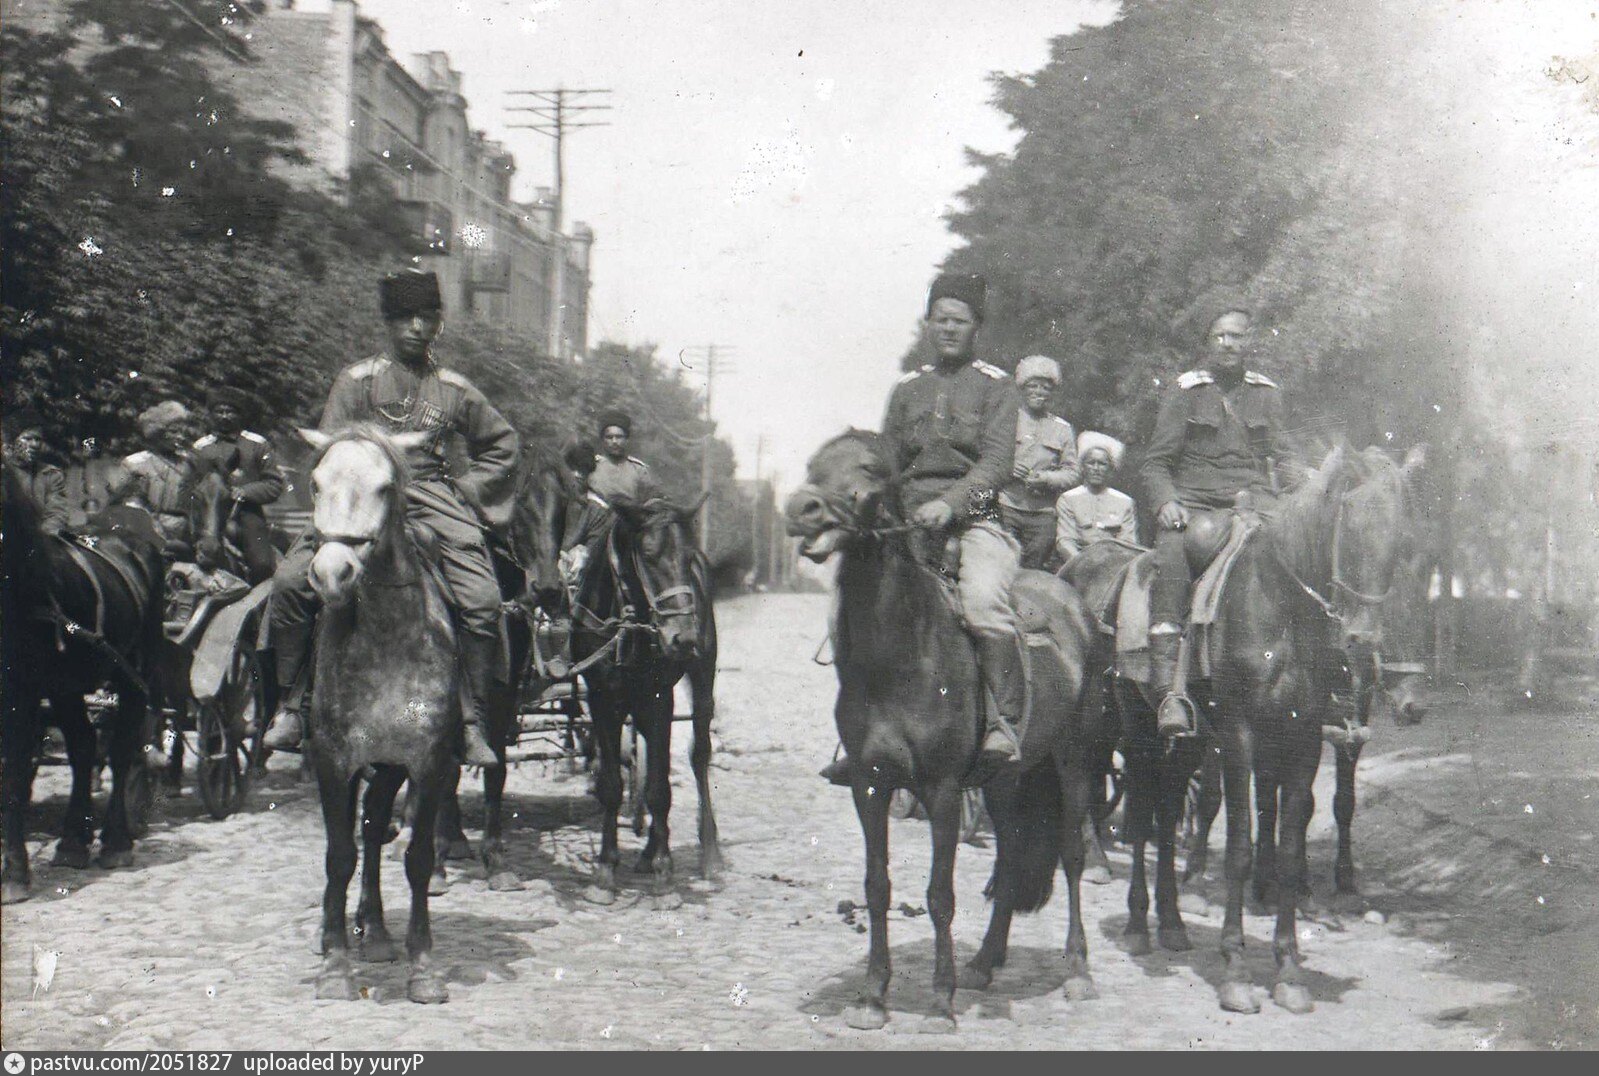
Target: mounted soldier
(244,460)
(1094,511)
(47,483)
(155,477)
(1046,463)
(950,430)
(617,474)
(1219,434)
(403,389)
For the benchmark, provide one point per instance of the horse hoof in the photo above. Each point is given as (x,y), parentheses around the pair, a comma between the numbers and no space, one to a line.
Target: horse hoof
(1097,875)
(504,882)
(116,860)
(866,1017)
(458,849)
(76,857)
(599,894)
(335,986)
(1293,997)
(974,977)
(1174,939)
(379,950)
(1080,988)
(939,1024)
(427,989)
(14,892)
(1238,997)
(711,866)
(438,883)
(669,901)
(1138,943)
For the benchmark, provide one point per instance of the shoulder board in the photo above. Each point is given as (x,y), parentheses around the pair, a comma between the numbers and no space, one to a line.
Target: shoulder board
(641,463)
(597,499)
(205,442)
(366,367)
(914,374)
(251,435)
(450,377)
(142,456)
(991,370)
(1194,378)
(1061,422)
(1253,378)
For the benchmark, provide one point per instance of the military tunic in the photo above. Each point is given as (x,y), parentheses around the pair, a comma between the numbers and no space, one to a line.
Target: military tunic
(629,479)
(245,463)
(1047,447)
(1083,517)
(155,482)
(951,434)
(47,484)
(401,399)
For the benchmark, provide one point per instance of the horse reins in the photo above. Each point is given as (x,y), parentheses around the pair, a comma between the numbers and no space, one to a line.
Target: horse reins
(1328,606)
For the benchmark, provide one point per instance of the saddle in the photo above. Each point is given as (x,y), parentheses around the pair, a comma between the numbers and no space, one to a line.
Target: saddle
(194,596)
(1123,607)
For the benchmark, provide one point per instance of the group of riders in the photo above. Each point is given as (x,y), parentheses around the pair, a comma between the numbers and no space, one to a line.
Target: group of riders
(991,479)
(463,509)
(995,483)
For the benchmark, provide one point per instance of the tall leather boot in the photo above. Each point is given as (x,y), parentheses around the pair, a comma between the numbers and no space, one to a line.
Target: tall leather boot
(1004,665)
(291,646)
(1173,716)
(480,658)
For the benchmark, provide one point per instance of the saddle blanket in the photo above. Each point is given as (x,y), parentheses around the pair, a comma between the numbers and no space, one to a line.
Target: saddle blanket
(1131,619)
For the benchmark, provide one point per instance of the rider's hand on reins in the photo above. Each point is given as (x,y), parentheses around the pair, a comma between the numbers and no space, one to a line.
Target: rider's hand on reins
(934,515)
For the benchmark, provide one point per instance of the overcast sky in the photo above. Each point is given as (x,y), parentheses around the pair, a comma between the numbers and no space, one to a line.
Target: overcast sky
(774,176)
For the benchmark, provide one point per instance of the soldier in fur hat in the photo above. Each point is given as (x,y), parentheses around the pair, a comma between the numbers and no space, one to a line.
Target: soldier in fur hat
(244,460)
(25,446)
(404,389)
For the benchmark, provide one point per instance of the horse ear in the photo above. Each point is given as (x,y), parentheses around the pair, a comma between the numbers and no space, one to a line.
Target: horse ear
(411,440)
(1415,461)
(315,438)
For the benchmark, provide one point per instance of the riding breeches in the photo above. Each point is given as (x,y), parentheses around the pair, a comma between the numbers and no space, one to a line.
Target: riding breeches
(254,537)
(990,559)
(1168,595)
(1036,533)
(463,561)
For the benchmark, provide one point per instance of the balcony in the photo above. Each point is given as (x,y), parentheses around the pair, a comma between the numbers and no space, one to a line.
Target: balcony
(488,270)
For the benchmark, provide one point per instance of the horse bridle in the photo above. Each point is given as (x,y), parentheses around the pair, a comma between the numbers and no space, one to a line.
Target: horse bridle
(654,601)
(1331,606)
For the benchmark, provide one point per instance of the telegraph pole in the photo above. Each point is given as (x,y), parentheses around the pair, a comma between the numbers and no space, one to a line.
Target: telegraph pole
(718,359)
(755,510)
(554,113)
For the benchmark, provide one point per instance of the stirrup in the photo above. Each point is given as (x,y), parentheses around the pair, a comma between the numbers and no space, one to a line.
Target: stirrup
(286,732)
(1177,716)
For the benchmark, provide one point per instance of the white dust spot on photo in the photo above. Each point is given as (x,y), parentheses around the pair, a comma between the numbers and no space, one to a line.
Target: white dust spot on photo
(739,995)
(90,248)
(780,164)
(44,969)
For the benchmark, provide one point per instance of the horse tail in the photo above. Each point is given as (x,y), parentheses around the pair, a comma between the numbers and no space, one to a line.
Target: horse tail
(1027,831)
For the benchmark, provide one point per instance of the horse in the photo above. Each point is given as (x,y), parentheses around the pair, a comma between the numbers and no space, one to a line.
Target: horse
(909,713)
(387,700)
(643,620)
(1279,650)
(74,619)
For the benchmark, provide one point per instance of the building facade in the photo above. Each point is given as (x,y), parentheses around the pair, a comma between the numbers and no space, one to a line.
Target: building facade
(363,116)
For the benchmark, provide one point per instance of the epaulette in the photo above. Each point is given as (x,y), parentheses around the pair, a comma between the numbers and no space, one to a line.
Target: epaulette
(1253,378)
(1195,377)
(366,367)
(991,370)
(597,499)
(641,463)
(914,374)
(142,456)
(205,442)
(251,435)
(450,377)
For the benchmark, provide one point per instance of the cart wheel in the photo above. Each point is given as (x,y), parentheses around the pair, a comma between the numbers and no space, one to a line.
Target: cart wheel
(637,774)
(138,799)
(225,760)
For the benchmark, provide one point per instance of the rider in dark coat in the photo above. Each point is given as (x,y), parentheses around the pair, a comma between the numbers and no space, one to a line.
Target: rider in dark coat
(46,482)
(404,389)
(1219,433)
(244,460)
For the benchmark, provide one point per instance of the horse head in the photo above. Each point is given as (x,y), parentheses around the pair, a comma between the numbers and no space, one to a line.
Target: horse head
(1343,534)
(358,482)
(538,524)
(654,537)
(208,504)
(846,485)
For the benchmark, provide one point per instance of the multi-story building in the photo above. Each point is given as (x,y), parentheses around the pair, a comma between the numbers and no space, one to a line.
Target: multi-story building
(363,115)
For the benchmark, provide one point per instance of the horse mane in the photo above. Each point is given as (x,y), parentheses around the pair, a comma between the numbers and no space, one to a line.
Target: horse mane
(1301,531)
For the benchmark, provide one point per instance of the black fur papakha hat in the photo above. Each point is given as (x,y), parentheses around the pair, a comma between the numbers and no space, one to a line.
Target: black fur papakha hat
(969,288)
(410,292)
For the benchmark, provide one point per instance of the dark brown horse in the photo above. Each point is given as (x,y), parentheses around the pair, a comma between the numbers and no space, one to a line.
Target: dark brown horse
(1303,605)
(387,699)
(643,621)
(909,713)
(73,620)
